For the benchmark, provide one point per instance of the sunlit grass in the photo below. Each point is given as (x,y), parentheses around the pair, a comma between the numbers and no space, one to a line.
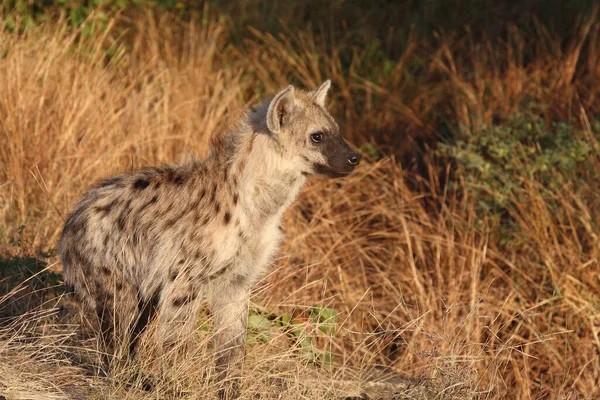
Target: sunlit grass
(422,284)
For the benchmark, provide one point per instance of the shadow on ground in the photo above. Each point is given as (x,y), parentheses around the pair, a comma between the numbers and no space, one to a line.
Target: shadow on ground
(40,330)
(27,283)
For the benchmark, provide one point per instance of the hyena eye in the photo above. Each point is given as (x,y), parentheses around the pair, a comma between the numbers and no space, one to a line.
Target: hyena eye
(317,137)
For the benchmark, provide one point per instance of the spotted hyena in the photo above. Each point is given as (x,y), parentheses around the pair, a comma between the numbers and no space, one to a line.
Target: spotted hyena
(153,243)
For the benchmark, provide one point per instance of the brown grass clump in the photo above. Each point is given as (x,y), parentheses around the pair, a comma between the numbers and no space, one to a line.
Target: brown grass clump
(422,284)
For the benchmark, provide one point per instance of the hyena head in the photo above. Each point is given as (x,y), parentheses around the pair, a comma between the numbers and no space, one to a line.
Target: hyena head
(309,136)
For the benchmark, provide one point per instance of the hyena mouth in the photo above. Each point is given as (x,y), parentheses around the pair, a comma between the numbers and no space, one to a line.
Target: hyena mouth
(322,169)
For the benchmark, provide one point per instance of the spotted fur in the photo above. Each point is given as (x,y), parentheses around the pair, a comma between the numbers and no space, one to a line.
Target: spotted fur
(153,243)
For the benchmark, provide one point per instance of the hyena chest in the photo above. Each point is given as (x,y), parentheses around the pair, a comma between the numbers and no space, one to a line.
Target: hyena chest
(246,249)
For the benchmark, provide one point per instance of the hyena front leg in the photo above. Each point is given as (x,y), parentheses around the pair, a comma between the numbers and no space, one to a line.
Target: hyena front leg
(177,314)
(229,306)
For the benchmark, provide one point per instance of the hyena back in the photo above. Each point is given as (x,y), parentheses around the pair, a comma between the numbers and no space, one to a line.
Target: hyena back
(156,241)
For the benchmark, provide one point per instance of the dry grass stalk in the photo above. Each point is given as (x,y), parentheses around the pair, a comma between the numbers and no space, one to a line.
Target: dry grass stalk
(419,288)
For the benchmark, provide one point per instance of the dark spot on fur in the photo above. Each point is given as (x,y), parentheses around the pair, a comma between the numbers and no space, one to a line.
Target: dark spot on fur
(214,193)
(251,144)
(170,174)
(195,204)
(180,301)
(202,193)
(74,257)
(217,207)
(305,173)
(181,261)
(239,280)
(77,223)
(153,200)
(196,218)
(227,217)
(174,273)
(122,220)
(171,222)
(235,199)
(141,184)
(220,272)
(198,232)
(99,289)
(114,181)
(107,207)
(123,217)
(105,270)
(119,286)
(105,241)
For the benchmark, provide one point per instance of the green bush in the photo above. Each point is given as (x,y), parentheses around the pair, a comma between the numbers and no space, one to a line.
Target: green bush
(498,164)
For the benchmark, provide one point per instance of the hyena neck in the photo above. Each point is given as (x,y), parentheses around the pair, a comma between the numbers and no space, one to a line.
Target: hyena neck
(266,178)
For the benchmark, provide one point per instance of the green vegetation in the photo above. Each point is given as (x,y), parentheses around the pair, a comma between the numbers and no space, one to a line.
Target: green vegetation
(303,333)
(500,163)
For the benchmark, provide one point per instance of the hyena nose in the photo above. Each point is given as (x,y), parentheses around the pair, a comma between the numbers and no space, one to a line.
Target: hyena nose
(353,159)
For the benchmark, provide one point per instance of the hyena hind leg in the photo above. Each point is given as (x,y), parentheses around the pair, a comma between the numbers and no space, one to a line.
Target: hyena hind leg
(117,312)
(147,310)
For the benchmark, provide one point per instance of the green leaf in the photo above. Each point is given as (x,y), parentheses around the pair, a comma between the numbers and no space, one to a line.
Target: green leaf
(284,320)
(259,328)
(327,357)
(85,31)
(325,317)
(9,23)
(257,322)
(371,151)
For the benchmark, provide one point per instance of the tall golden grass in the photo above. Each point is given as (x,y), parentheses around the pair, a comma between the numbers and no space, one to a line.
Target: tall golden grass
(420,287)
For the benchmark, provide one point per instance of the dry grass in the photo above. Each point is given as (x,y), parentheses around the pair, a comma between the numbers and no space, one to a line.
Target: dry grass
(420,287)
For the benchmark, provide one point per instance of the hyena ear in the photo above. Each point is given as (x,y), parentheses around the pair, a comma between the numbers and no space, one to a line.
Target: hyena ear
(280,109)
(320,94)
